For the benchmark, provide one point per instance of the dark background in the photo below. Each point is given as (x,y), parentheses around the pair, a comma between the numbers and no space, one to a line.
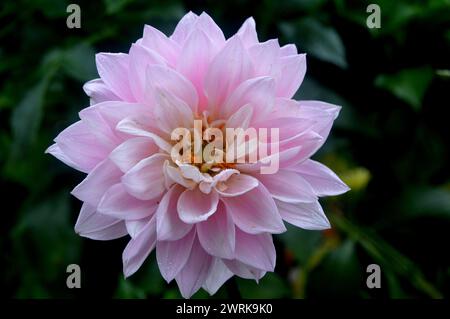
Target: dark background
(390,145)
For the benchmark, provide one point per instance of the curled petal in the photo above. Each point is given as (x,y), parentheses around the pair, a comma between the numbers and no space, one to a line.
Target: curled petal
(145,180)
(195,206)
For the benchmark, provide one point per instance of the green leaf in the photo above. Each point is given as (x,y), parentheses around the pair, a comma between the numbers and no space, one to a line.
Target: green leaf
(270,286)
(386,255)
(302,243)
(408,85)
(27,116)
(339,274)
(114,6)
(79,62)
(321,41)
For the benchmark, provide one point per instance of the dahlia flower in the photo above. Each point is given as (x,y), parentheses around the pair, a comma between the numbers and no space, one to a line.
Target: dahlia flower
(207,220)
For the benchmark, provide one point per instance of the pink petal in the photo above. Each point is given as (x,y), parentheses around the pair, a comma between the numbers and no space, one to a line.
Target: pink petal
(96,226)
(139,248)
(140,59)
(171,112)
(194,63)
(134,227)
(241,118)
(289,74)
(173,255)
(81,147)
(113,69)
(229,68)
(218,275)
(169,80)
(184,27)
(288,49)
(145,180)
(155,40)
(247,32)
(323,181)
(211,29)
(55,150)
(265,55)
(169,226)
(119,204)
(255,250)
(216,234)
(288,186)
(255,212)
(98,181)
(98,91)
(132,151)
(195,206)
(195,272)
(258,92)
(304,215)
(244,271)
(136,126)
(99,127)
(237,185)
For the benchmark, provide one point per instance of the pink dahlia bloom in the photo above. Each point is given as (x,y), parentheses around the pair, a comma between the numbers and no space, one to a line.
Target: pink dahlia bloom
(206,221)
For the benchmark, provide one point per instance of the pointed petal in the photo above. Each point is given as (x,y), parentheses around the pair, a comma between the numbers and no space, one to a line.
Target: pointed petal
(169,80)
(93,225)
(304,215)
(255,250)
(247,32)
(98,181)
(258,92)
(323,181)
(134,227)
(81,147)
(194,63)
(113,69)
(140,59)
(218,275)
(211,29)
(119,204)
(139,248)
(264,55)
(132,151)
(169,226)
(184,28)
(98,91)
(289,74)
(216,234)
(255,212)
(244,271)
(155,40)
(228,69)
(173,255)
(288,186)
(195,271)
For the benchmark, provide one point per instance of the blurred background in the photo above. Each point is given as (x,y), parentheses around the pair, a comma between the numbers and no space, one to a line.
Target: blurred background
(390,144)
